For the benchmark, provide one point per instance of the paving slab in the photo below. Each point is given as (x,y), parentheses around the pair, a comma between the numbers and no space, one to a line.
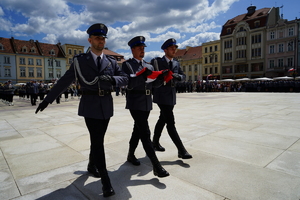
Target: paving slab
(244,146)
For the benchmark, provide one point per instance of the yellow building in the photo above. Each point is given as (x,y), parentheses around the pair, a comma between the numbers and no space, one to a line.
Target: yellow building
(211,59)
(190,60)
(71,50)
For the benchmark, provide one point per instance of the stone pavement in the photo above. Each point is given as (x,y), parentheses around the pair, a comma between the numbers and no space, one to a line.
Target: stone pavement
(244,146)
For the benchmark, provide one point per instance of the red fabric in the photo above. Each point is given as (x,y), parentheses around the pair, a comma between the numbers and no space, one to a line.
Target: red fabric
(155,74)
(291,70)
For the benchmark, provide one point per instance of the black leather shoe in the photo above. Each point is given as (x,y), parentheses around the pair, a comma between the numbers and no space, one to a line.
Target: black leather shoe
(132,159)
(107,192)
(184,155)
(160,171)
(93,170)
(158,147)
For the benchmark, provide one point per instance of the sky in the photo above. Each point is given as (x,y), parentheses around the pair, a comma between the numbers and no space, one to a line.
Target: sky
(190,22)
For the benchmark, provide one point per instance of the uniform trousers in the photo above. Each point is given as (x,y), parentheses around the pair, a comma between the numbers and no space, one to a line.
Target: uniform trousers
(141,131)
(167,117)
(33,99)
(97,129)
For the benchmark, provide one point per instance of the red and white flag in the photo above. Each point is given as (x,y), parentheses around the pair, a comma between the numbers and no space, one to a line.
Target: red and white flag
(152,77)
(291,70)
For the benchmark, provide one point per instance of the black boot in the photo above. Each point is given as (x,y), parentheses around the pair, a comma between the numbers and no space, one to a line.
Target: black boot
(93,169)
(158,170)
(106,185)
(156,144)
(132,159)
(182,153)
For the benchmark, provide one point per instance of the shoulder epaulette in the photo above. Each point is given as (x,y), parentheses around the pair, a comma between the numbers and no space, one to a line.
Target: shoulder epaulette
(79,55)
(110,57)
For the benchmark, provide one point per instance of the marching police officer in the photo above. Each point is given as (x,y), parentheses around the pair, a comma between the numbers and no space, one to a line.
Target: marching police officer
(139,103)
(96,73)
(165,97)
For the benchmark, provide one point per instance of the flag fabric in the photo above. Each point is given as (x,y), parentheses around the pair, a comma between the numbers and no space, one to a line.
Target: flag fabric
(152,77)
(208,77)
(291,70)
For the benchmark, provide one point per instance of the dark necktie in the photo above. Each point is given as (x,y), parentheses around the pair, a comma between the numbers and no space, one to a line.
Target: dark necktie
(170,64)
(98,62)
(140,66)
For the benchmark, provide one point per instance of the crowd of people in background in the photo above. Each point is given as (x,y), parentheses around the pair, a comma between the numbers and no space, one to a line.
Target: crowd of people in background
(35,91)
(239,86)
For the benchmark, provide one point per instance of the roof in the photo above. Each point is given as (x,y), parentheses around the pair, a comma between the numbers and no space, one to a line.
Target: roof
(6,42)
(193,53)
(111,53)
(30,45)
(46,49)
(180,53)
(244,17)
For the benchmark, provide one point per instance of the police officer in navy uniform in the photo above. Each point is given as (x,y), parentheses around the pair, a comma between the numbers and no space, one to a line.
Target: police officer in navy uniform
(139,103)
(165,97)
(96,73)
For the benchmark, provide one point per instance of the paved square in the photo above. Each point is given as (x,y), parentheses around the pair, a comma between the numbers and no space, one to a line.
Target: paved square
(244,146)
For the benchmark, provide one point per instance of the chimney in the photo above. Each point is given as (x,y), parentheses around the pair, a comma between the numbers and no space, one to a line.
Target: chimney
(251,10)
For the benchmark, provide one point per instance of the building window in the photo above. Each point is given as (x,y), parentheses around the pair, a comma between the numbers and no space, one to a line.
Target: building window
(7,72)
(1,47)
(6,60)
(75,52)
(256,24)
(272,49)
(195,68)
(205,71)
(241,41)
(291,46)
(216,70)
(24,49)
(205,49)
(58,74)
(227,70)
(228,56)
(210,49)
(52,52)
(291,31)
(38,62)
(31,72)
(256,39)
(205,60)
(257,67)
(241,54)
(280,62)
(271,64)
(190,68)
(22,72)
(22,61)
(79,52)
(228,30)
(280,48)
(32,50)
(38,72)
(57,63)
(30,61)
(290,62)
(70,60)
(256,52)
(50,73)
(70,51)
(272,35)
(228,44)
(216,48)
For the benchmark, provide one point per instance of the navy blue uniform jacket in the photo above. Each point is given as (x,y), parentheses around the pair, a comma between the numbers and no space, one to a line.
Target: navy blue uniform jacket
(137,99)
(92,106)
(166,94)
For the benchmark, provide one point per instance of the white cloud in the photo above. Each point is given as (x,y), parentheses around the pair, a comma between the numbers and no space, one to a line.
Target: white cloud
(198,39)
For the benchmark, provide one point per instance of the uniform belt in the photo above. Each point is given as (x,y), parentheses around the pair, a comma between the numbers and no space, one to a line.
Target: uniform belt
(99,93)
(146,92)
